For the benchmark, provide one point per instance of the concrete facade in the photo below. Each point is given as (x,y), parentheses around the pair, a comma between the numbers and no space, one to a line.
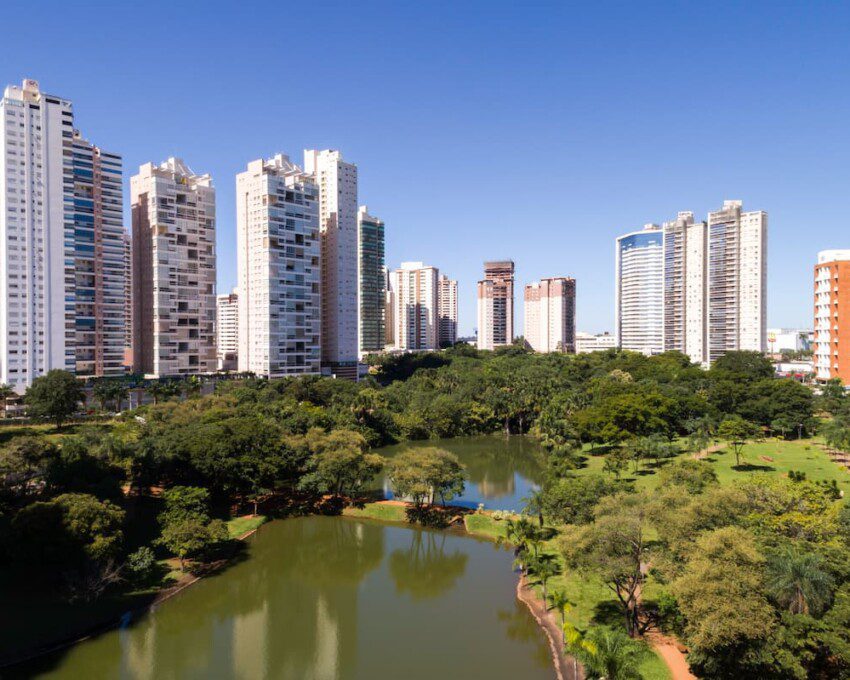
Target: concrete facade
(496,305)
(550,315)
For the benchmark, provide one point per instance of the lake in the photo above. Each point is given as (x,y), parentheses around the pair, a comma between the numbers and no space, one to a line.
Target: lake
(332,598)
(502,470)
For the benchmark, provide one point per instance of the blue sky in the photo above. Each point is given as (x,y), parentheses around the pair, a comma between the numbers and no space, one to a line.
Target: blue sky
(486,130)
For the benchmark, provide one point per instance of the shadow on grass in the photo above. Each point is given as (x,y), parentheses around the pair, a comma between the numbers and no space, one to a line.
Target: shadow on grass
(750,467)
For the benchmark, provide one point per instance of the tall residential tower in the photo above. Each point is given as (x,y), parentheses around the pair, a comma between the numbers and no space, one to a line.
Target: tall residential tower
(416,300)
(447,311)
(550,315)
(174,268)
(496,305)
(832,309)
(371,275)
(278,251)
(639,290)
(337,184)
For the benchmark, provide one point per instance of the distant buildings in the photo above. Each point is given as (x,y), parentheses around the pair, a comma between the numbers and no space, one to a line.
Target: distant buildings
(639,291)
(415,290)
(789,340)
(62,272)
(337,184)
(832,304)
(278,263)
(227,331)
(496,305)
(174,270)
(694,287)
(587,342)
(550,315)
(447,310)
(371,299)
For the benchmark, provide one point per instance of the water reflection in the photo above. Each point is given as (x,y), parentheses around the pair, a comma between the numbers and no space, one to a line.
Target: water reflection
(502,470)
(326,598)
(426,569)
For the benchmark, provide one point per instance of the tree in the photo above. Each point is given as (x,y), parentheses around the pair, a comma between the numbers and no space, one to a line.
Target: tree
(520,533)
(118,392)
(6,393)
(342,464)
(694,475)
(737,432)
(69,532)
(535,504)
(746,365)
(102,392)
(159,390)
(561,603)
(192,538)
(616,462)
(728,620)
(183,503)
(798,581)
(609,654)
(544,567)
(612,549)
(570,500)
(54,396)
(424,473)
(24,463)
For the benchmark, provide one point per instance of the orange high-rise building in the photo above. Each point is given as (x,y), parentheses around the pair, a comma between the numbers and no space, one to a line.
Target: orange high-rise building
(832,316)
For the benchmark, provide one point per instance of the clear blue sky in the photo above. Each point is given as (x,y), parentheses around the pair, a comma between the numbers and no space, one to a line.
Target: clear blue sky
(483,130)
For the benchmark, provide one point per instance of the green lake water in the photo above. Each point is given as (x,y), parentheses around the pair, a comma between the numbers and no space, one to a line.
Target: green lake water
(501,470)
(331,598)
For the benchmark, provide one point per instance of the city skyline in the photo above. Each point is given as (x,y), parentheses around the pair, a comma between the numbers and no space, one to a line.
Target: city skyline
(612,165)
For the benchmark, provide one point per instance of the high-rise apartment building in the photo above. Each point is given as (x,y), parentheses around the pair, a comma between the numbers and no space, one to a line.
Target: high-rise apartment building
(685,299)
(447,311)
(372,278)
(174,268)
(128,300)
(337,184)
(832,310)
(60,264)
(714,279)
(416,301)
(496,305)
(639,290)
(737,280)
(280,283)
(550,315)
(389,310)
(227,330)
(100,273)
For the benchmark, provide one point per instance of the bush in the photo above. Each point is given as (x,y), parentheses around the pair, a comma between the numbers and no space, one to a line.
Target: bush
(141,564)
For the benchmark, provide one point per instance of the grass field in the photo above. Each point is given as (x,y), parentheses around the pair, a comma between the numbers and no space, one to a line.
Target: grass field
(771,455)
(387,512)
(239,526)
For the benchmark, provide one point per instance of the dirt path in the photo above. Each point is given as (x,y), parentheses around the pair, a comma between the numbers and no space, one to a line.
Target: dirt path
(566,667)
(668,649)
(705,453)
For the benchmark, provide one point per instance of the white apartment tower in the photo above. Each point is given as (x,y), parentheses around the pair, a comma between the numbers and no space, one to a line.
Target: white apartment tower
(639,290)
(337,184)
(550,316)
(685,250)
(447,310)
(736,280)
(227,330)
(278,251)
(416,301)
(174,269)
(61,266)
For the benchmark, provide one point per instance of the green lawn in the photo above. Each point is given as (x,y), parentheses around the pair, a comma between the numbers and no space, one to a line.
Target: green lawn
(484,525)
(771,455)
(383,511)
(240,526)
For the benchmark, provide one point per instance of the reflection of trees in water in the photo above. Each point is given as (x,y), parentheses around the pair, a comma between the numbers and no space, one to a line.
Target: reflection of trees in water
(520,626)
(491,462)
(425,569)
(289,612)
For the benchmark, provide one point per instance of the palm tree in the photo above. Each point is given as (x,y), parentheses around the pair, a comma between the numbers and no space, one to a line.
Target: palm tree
(534,503)
(797,581)
(158,390)
(6,393)
(102,391)
(562,604)
(519,533)
(544,568)
(119,393)
(192,386)
(609,653)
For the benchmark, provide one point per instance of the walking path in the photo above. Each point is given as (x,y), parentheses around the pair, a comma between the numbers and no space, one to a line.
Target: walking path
(668,649)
